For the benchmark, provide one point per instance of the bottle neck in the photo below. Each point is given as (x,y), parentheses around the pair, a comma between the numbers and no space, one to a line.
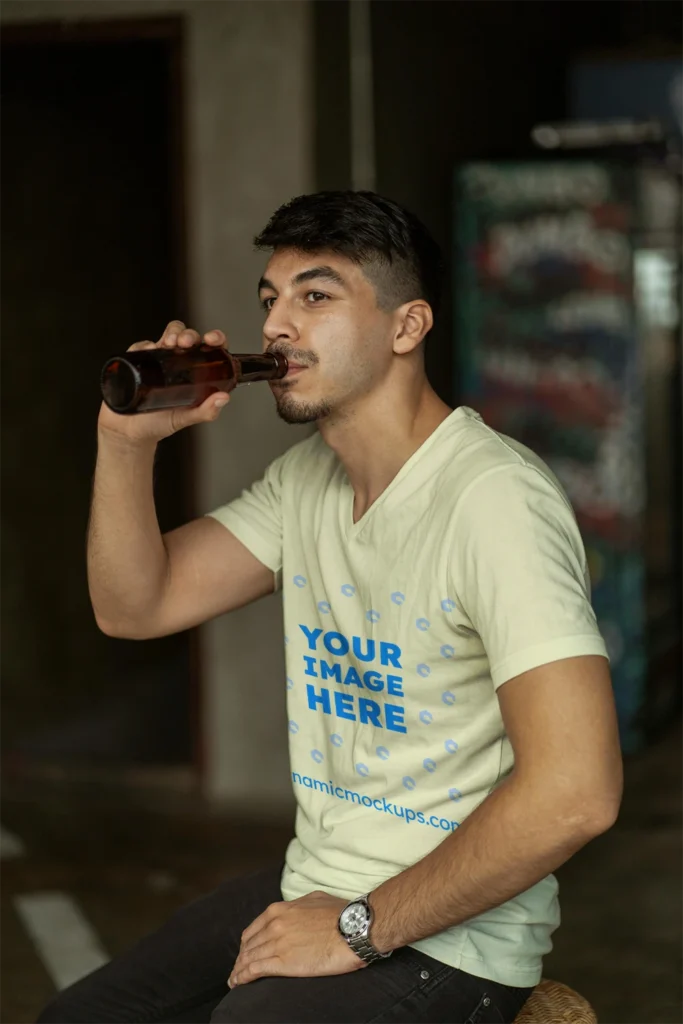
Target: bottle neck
(259,367)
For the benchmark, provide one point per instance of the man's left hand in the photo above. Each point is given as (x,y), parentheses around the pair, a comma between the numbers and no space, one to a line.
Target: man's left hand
(296,939)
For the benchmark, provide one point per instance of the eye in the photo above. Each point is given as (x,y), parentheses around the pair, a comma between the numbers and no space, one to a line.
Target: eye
(316,297)
(267,303)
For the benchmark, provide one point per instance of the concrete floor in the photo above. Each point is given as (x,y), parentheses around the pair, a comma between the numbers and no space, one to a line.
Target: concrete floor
(129,862)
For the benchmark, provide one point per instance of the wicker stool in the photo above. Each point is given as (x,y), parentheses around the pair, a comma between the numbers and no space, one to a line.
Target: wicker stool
(554,1003)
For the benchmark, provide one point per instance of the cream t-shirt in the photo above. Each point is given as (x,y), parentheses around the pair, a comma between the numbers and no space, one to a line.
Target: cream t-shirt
(467,570)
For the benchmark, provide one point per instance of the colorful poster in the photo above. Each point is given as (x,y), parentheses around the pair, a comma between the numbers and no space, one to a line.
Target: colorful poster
(548,355)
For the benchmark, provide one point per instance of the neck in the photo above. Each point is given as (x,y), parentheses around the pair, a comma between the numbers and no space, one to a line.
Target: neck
(378,436)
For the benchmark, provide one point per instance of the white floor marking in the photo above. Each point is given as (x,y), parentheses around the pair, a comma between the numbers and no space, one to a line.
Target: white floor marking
(66,943)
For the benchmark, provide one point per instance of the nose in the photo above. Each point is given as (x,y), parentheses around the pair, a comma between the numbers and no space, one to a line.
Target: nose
(279,325)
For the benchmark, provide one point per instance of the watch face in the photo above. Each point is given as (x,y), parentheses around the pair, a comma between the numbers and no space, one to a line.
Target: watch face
(353,919)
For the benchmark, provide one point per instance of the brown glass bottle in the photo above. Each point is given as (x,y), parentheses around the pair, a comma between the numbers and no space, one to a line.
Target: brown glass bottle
(154,379)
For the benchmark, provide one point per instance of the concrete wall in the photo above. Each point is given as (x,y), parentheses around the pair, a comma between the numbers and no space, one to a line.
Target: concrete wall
(249,134)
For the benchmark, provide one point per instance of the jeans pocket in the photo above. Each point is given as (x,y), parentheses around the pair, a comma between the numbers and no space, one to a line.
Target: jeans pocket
(500,1004)
(486,1012)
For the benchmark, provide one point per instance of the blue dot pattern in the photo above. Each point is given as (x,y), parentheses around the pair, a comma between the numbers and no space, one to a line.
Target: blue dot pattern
(423,669)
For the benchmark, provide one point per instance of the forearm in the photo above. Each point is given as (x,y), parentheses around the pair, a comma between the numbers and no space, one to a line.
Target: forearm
(519,834)
(127,560)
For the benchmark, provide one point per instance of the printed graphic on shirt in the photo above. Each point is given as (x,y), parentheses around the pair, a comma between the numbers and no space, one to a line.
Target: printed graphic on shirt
(352,681)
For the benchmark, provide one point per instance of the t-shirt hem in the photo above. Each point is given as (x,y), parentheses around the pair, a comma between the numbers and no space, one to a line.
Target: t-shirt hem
(250,537)
(544,654)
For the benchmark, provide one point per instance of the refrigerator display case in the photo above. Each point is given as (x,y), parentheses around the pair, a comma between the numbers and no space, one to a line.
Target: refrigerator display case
(567,323)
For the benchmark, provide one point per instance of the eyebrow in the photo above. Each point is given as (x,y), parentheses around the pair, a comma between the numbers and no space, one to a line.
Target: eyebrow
(322,273)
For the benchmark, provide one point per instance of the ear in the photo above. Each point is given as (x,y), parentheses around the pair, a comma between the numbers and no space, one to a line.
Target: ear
(415,321)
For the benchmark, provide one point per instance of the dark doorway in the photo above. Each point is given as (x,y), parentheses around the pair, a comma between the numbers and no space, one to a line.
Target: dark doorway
(92,260)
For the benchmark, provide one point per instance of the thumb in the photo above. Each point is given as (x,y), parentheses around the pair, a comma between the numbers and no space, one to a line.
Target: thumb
(210,409)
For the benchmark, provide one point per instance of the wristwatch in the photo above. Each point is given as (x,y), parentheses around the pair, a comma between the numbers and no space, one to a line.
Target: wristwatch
(354,925)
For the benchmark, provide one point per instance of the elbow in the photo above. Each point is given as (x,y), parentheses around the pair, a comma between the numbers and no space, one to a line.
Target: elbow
(599,812)
(603,818)
(121,631)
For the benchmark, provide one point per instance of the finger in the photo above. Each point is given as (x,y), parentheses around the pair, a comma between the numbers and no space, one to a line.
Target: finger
(216,338)
(257,925)
(173,328)
(269,967)
(188,338)
(210,409)
(259,949)
(139,345)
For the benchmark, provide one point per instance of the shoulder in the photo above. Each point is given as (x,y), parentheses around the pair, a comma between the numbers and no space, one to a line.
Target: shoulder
(490,466)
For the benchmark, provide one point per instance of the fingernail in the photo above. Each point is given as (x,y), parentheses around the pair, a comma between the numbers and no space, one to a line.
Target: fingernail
(220,402)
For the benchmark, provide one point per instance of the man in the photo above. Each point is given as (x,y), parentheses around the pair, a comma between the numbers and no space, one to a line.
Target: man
(453,735)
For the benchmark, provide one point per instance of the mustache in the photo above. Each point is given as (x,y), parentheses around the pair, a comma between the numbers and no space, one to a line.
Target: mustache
(291,355)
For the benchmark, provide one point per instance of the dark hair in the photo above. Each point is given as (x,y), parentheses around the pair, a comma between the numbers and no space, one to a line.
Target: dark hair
(392,246)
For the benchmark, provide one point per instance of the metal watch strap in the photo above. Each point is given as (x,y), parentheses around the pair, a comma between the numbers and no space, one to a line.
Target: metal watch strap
(365,950)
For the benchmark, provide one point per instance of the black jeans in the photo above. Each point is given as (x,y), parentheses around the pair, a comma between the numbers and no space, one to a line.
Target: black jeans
(179,974)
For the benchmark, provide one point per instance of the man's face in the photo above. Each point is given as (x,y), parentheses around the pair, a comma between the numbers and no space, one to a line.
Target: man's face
(322,315)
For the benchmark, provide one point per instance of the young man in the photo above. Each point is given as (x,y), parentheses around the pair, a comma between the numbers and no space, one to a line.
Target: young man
(453,735)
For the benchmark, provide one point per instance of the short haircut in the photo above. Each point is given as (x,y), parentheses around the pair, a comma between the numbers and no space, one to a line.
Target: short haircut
(391,245)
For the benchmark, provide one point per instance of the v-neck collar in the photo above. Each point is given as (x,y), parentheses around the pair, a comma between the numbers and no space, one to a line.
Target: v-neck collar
(353,529)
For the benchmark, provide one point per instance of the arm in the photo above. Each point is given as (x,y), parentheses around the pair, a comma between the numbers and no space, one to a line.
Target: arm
(143,584)
(564,790)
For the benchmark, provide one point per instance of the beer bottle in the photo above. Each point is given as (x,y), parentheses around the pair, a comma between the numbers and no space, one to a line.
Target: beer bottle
(153,379)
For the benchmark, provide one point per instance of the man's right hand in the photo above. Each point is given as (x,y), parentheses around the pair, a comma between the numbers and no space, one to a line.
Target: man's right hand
(147,427)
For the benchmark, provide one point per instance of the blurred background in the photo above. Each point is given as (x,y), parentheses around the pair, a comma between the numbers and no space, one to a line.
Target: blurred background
(144,143)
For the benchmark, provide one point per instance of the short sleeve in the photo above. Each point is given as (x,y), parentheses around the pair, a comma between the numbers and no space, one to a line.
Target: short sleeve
(255,518)
(518,568)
